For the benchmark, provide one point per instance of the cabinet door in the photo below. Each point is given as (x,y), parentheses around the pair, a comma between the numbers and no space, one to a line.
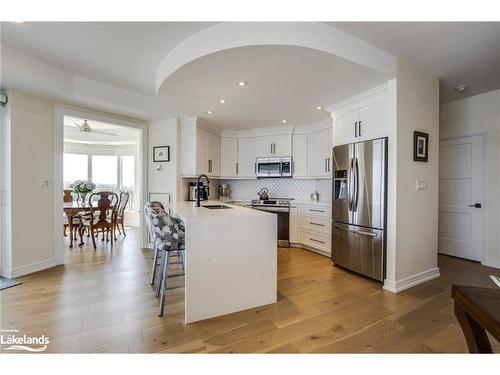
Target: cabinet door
(294,224)
(374,121)
(228,157)
(300,156)
(345,127)
(282,145)
(246,157)
(201,151)
(213,154)
(264,146)
(319,152)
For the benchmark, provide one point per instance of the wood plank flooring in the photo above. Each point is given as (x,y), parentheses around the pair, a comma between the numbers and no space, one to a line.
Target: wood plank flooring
(101,302)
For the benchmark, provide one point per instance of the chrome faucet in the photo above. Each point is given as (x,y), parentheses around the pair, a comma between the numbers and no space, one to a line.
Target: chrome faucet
(198,192)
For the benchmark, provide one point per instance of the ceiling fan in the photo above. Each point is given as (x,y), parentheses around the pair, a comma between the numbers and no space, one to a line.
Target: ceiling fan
(86,128)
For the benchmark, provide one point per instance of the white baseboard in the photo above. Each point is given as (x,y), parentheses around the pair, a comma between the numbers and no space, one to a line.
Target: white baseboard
(490,262)
(31,268)
(411,281)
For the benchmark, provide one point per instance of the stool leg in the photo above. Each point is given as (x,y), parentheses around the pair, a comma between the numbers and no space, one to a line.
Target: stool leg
(159,278)
(164,281)
(155,261)
(181,255)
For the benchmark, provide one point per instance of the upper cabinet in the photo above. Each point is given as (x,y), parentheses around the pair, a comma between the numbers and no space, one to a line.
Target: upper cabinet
(300,156)
(274,145)
(200,150)
(229,157)
(247,151)
(361,118)
(320,153)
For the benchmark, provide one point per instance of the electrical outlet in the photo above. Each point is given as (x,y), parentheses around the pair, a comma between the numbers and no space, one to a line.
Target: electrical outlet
(44,183)
(421,185)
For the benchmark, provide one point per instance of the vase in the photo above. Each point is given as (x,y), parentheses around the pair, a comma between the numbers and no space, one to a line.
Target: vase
(83,198)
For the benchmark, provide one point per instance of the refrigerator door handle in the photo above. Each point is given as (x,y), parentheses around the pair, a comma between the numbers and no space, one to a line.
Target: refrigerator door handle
(356,183)
(350,186)
(369,234)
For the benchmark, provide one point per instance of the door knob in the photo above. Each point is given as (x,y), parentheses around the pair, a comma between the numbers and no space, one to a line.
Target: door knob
(475,205)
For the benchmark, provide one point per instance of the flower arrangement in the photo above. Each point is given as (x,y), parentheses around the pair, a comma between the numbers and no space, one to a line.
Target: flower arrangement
(82,187)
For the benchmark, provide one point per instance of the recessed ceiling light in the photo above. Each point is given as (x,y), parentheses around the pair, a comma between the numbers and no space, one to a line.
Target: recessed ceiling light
(283,121)
(223,101)
(461,88)
(210,112)
(242,83)
(319,107)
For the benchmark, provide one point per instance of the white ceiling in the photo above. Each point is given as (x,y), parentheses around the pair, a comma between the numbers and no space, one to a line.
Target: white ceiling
(123,54)
(284,82)
(455,52)
(124,135)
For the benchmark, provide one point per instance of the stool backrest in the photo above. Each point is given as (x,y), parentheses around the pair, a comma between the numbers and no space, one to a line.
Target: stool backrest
(149,210)
(166,230)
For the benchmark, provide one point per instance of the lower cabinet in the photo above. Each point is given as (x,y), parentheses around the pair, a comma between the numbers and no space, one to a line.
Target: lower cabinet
(310,225)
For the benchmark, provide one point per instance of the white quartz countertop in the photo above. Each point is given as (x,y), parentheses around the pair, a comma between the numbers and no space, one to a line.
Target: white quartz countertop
(189,211)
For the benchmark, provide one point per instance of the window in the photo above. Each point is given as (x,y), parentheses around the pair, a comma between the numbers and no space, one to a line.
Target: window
(105,170)
(128,171)
(75,167)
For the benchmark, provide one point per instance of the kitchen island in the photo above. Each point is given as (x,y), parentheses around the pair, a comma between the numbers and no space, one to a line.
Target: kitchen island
(231,259)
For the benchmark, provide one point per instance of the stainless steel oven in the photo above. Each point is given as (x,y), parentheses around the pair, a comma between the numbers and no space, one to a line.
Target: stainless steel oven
(274,167)
(280,207)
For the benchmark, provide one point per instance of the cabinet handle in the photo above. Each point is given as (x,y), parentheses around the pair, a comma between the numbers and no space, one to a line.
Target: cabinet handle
(356,129)
(328,164)
(359,129)
(271,148)
(312,239)
(319,225)
(255,168)
(236,168)
(326,167)
(313,210)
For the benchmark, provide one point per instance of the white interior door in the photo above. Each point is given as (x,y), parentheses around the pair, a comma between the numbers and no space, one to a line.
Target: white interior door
(460,198)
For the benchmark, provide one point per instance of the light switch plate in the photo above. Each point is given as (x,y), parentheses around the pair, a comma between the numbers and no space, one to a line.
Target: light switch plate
(421,185)
(44,183)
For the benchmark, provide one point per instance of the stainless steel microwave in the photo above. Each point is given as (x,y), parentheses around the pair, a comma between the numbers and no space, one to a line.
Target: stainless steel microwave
(274,167)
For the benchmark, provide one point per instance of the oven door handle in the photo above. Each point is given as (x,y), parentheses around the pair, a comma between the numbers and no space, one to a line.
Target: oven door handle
(272,209)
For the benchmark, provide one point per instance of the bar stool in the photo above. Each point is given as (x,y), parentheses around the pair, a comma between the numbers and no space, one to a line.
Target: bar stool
(169,238)
(150,209)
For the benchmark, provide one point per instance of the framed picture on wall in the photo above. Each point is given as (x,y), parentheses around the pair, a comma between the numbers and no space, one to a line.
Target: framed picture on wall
(420,146)
(161,154)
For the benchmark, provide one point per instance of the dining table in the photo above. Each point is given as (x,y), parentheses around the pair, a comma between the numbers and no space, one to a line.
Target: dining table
(72,209)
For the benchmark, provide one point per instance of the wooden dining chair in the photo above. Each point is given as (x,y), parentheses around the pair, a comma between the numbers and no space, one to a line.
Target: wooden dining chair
(120,212)
(100,216)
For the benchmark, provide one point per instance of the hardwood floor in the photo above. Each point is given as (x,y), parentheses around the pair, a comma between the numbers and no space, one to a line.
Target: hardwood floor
(101,302)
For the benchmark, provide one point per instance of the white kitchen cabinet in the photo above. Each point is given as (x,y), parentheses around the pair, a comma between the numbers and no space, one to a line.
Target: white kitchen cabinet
(361,118)
(300,156)
(274,145)
(247,157)
(315,227)
(294,236)
(228,157)
(201,152)
(213,154)
(320,153)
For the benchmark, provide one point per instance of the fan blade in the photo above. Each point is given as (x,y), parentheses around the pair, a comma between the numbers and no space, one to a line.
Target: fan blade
(103,133)
(78,126)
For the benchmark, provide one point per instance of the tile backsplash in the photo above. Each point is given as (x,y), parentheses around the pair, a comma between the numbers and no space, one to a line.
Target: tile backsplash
(279,188)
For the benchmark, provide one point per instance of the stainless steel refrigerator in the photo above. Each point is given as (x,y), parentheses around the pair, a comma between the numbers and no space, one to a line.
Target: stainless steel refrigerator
(359,207)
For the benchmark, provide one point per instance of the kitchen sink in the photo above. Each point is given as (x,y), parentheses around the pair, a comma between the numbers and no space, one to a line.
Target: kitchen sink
(216,207)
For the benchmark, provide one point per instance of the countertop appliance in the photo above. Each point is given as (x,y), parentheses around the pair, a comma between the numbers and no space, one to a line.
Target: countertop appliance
(192,192)
(281,207)
(224,192)
(359,207)
(274,167)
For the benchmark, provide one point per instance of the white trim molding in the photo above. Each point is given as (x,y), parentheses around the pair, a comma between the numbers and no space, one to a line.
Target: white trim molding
(490,262)
(32,268)
(411,281)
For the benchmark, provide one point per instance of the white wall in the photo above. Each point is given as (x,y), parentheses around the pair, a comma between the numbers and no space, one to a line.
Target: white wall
(28,208)
(475,115)
(164,133)
(412,246)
